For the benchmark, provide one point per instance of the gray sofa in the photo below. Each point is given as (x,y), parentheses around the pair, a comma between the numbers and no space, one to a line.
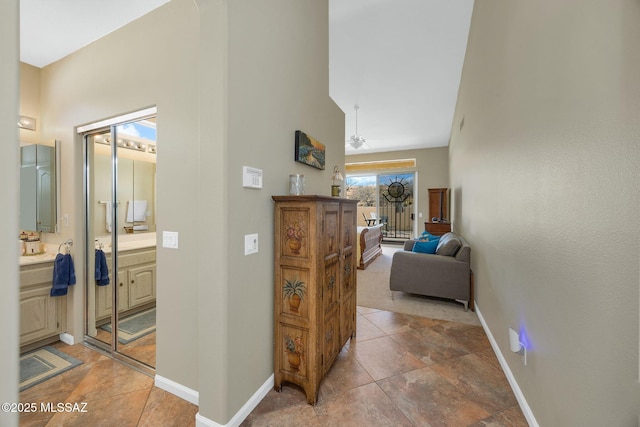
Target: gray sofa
(446,274)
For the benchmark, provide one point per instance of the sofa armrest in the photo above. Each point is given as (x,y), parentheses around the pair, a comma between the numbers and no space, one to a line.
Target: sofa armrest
(408,245)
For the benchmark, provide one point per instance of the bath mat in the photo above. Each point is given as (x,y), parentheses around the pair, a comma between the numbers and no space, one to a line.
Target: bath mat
(136,326)
(43,364)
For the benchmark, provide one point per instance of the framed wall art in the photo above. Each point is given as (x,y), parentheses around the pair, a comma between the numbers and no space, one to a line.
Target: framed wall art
(309,151)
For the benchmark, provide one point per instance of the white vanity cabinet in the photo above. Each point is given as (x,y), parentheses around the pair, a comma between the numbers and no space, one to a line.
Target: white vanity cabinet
(41,315)
(104,300)
(136,282)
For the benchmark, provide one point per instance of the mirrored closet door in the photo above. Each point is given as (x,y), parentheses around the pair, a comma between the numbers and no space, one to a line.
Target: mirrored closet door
(120,199)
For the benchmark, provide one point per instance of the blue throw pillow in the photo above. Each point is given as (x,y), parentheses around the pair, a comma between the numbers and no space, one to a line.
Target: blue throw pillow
(428,236)
(428,239)
(426,247)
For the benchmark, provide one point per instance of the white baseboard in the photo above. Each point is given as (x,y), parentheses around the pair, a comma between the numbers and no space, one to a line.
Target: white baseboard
(524,406)
(179,390)
(205,422)
(67,338)
(244,412)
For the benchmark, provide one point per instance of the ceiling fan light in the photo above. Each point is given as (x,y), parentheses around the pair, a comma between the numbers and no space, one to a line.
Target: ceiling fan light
(357,141)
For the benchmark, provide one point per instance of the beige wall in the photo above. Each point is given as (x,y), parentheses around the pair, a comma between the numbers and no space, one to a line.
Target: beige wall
(30,102)
(278,82)
(9,173)
(232,82)
(545,181)
(432,166)
(99,81)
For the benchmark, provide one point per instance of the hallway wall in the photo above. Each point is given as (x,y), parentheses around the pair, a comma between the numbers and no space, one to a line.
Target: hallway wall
(277,82)
(545,189)
(9,173)
(232,82)
(139,65)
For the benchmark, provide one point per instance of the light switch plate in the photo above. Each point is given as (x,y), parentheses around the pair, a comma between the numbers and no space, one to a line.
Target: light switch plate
(170,239)
(250,244)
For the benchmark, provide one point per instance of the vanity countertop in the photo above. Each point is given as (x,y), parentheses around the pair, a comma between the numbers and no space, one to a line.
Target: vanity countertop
(131,245)
(52,250)
(37,259)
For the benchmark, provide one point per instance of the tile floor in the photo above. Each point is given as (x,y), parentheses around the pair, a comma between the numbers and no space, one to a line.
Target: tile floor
(116,395)
(400,370)
(143,349)
(403,370)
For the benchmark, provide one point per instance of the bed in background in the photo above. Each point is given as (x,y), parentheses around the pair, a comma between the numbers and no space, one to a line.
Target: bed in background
(369,248)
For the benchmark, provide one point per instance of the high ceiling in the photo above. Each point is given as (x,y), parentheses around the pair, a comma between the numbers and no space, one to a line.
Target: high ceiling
(53,29)
(399,60)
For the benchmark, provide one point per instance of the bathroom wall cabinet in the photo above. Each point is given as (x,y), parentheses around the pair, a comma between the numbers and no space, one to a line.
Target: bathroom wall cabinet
(136,283)
(42,317)
(315,287)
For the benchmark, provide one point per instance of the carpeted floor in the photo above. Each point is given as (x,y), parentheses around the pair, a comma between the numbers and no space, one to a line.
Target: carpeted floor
(373,292)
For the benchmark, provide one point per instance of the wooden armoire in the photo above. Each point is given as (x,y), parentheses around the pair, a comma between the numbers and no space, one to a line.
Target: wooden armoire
(438,209)
(315,287)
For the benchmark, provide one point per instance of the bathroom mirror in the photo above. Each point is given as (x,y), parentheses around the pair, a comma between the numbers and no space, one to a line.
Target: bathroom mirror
(120,215)
(39,187)
(137,176)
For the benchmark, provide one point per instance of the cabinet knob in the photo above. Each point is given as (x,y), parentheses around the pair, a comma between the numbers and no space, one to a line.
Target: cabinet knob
(121,284)
(133,281)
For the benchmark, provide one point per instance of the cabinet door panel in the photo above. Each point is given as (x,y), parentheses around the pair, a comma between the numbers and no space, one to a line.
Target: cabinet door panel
(295,350)
(104,300)
(142,285)
(38,314)
(331,339)
(295,232)
(294,291)
(347,318)
(330,286)
(348,228)
(330,231)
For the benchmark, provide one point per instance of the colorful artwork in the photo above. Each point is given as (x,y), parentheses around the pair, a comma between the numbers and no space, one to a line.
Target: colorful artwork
(309,151)
(294,348)
(295,236)
(294,291)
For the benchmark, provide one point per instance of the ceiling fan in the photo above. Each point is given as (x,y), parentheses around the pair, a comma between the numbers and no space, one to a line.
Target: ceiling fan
(357,141)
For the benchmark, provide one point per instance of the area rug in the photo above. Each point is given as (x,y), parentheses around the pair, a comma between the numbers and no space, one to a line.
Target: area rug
(43,364)
(135,326)
(373,292)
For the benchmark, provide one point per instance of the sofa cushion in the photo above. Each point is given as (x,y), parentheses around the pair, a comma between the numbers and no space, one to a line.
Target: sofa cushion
(425,247)
(448,245)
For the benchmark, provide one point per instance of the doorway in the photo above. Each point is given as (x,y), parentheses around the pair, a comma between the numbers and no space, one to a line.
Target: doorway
(396,193)
(120,218)
(387,199)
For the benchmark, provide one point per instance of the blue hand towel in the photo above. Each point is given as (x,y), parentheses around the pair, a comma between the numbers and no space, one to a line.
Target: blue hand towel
(102,270)
(64,275)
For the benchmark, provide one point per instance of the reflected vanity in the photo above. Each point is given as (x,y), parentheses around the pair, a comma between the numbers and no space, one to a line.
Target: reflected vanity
(43,317)
(120,172)
(38,187)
